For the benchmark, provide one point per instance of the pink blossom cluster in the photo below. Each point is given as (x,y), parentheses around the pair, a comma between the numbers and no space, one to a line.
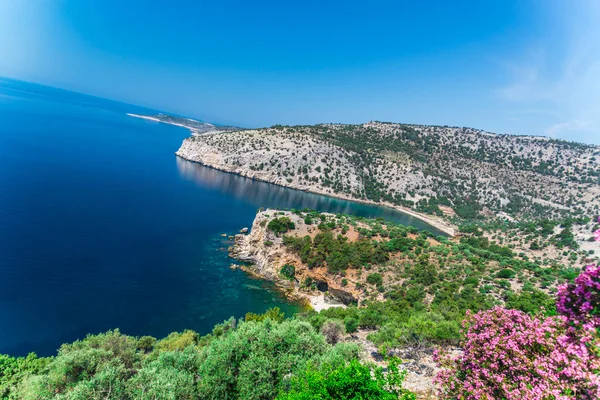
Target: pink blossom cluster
(579,302)
(511,355)
(597,232)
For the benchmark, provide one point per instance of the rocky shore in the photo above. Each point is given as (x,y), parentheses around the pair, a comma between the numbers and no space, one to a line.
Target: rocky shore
(264,254)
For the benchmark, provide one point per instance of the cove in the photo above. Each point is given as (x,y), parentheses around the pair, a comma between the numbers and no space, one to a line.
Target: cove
(103,227)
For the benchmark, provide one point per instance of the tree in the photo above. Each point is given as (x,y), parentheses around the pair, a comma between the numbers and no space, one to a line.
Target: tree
(280,225)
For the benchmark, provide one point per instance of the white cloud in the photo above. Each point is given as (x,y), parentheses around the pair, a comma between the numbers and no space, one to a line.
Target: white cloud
(569,126)
(562,76)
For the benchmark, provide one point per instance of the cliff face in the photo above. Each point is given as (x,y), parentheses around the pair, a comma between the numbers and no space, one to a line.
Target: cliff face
(266,254)
(244,152)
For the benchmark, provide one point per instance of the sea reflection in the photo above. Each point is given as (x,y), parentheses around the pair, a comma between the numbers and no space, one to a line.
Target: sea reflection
(268,195)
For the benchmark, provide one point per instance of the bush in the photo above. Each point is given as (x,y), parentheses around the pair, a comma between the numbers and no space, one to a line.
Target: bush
(252,361)
(506,273)
(351,324)
(16,369)
(288,271)
(375,279)
(280,225)
(541,362)
(333,330)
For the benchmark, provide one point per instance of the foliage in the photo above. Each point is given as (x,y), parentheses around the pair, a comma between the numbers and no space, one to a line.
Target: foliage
(280,225)
(333,330)
(579,302)
(511,355)
(288,271)
(350,381)
(15,369)
(249,360)
(375,279)
(531,301)
(274,314)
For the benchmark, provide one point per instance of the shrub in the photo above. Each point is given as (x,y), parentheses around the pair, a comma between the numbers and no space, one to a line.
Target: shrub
(511,355)
(288,271)
(146,343)
(16,369)
(177,341)
(333,330)
(280,225)
(274,314)
(579,302)
(348,381)
(375,279)
(531,301)
(351,324)
(252,361)
(506,273)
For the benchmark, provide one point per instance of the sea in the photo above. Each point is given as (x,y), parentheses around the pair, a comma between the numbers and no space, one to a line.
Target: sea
(103,227)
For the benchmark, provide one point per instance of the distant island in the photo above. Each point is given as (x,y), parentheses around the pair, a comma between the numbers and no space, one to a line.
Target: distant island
(196,127)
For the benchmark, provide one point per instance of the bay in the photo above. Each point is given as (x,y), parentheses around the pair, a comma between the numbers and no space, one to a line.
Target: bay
(103,227)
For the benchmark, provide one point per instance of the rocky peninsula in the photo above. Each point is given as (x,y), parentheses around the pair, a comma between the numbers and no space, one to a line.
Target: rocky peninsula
(265,255)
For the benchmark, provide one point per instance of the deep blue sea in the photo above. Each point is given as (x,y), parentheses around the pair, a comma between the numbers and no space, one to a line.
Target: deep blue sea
(103,227)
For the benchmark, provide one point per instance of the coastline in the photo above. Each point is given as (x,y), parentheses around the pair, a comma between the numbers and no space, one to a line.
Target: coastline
(444,227)
(146,117)
(264,261)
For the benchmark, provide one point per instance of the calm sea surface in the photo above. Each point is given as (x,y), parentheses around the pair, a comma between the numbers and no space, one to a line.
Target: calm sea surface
(102,226)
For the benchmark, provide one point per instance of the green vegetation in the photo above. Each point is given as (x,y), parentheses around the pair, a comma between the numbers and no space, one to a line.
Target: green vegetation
(259,358)
(288,271)
(427,283)
(351,381)
(280,225)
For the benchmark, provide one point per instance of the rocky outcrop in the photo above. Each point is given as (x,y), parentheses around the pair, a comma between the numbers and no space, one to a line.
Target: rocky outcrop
(265,255)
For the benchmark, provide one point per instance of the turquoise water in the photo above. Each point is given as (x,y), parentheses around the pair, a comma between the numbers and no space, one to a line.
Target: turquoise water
(102,226)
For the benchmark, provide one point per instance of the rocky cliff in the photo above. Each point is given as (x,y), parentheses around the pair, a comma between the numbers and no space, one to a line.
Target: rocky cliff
(266,255)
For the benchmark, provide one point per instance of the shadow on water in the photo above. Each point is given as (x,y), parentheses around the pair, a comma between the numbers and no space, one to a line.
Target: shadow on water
(268,195)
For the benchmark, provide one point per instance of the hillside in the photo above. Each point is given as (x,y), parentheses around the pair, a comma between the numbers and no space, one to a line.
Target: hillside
(397,290)
(342,259)
(435,170)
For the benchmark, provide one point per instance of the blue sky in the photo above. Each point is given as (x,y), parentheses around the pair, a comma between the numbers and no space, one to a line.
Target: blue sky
(522,67)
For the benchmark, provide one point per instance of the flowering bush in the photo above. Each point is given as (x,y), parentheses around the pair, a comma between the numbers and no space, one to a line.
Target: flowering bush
(579,302)
(511,355)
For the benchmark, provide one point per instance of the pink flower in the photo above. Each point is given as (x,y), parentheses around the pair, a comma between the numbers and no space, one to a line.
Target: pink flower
(511,355)
(597,235)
